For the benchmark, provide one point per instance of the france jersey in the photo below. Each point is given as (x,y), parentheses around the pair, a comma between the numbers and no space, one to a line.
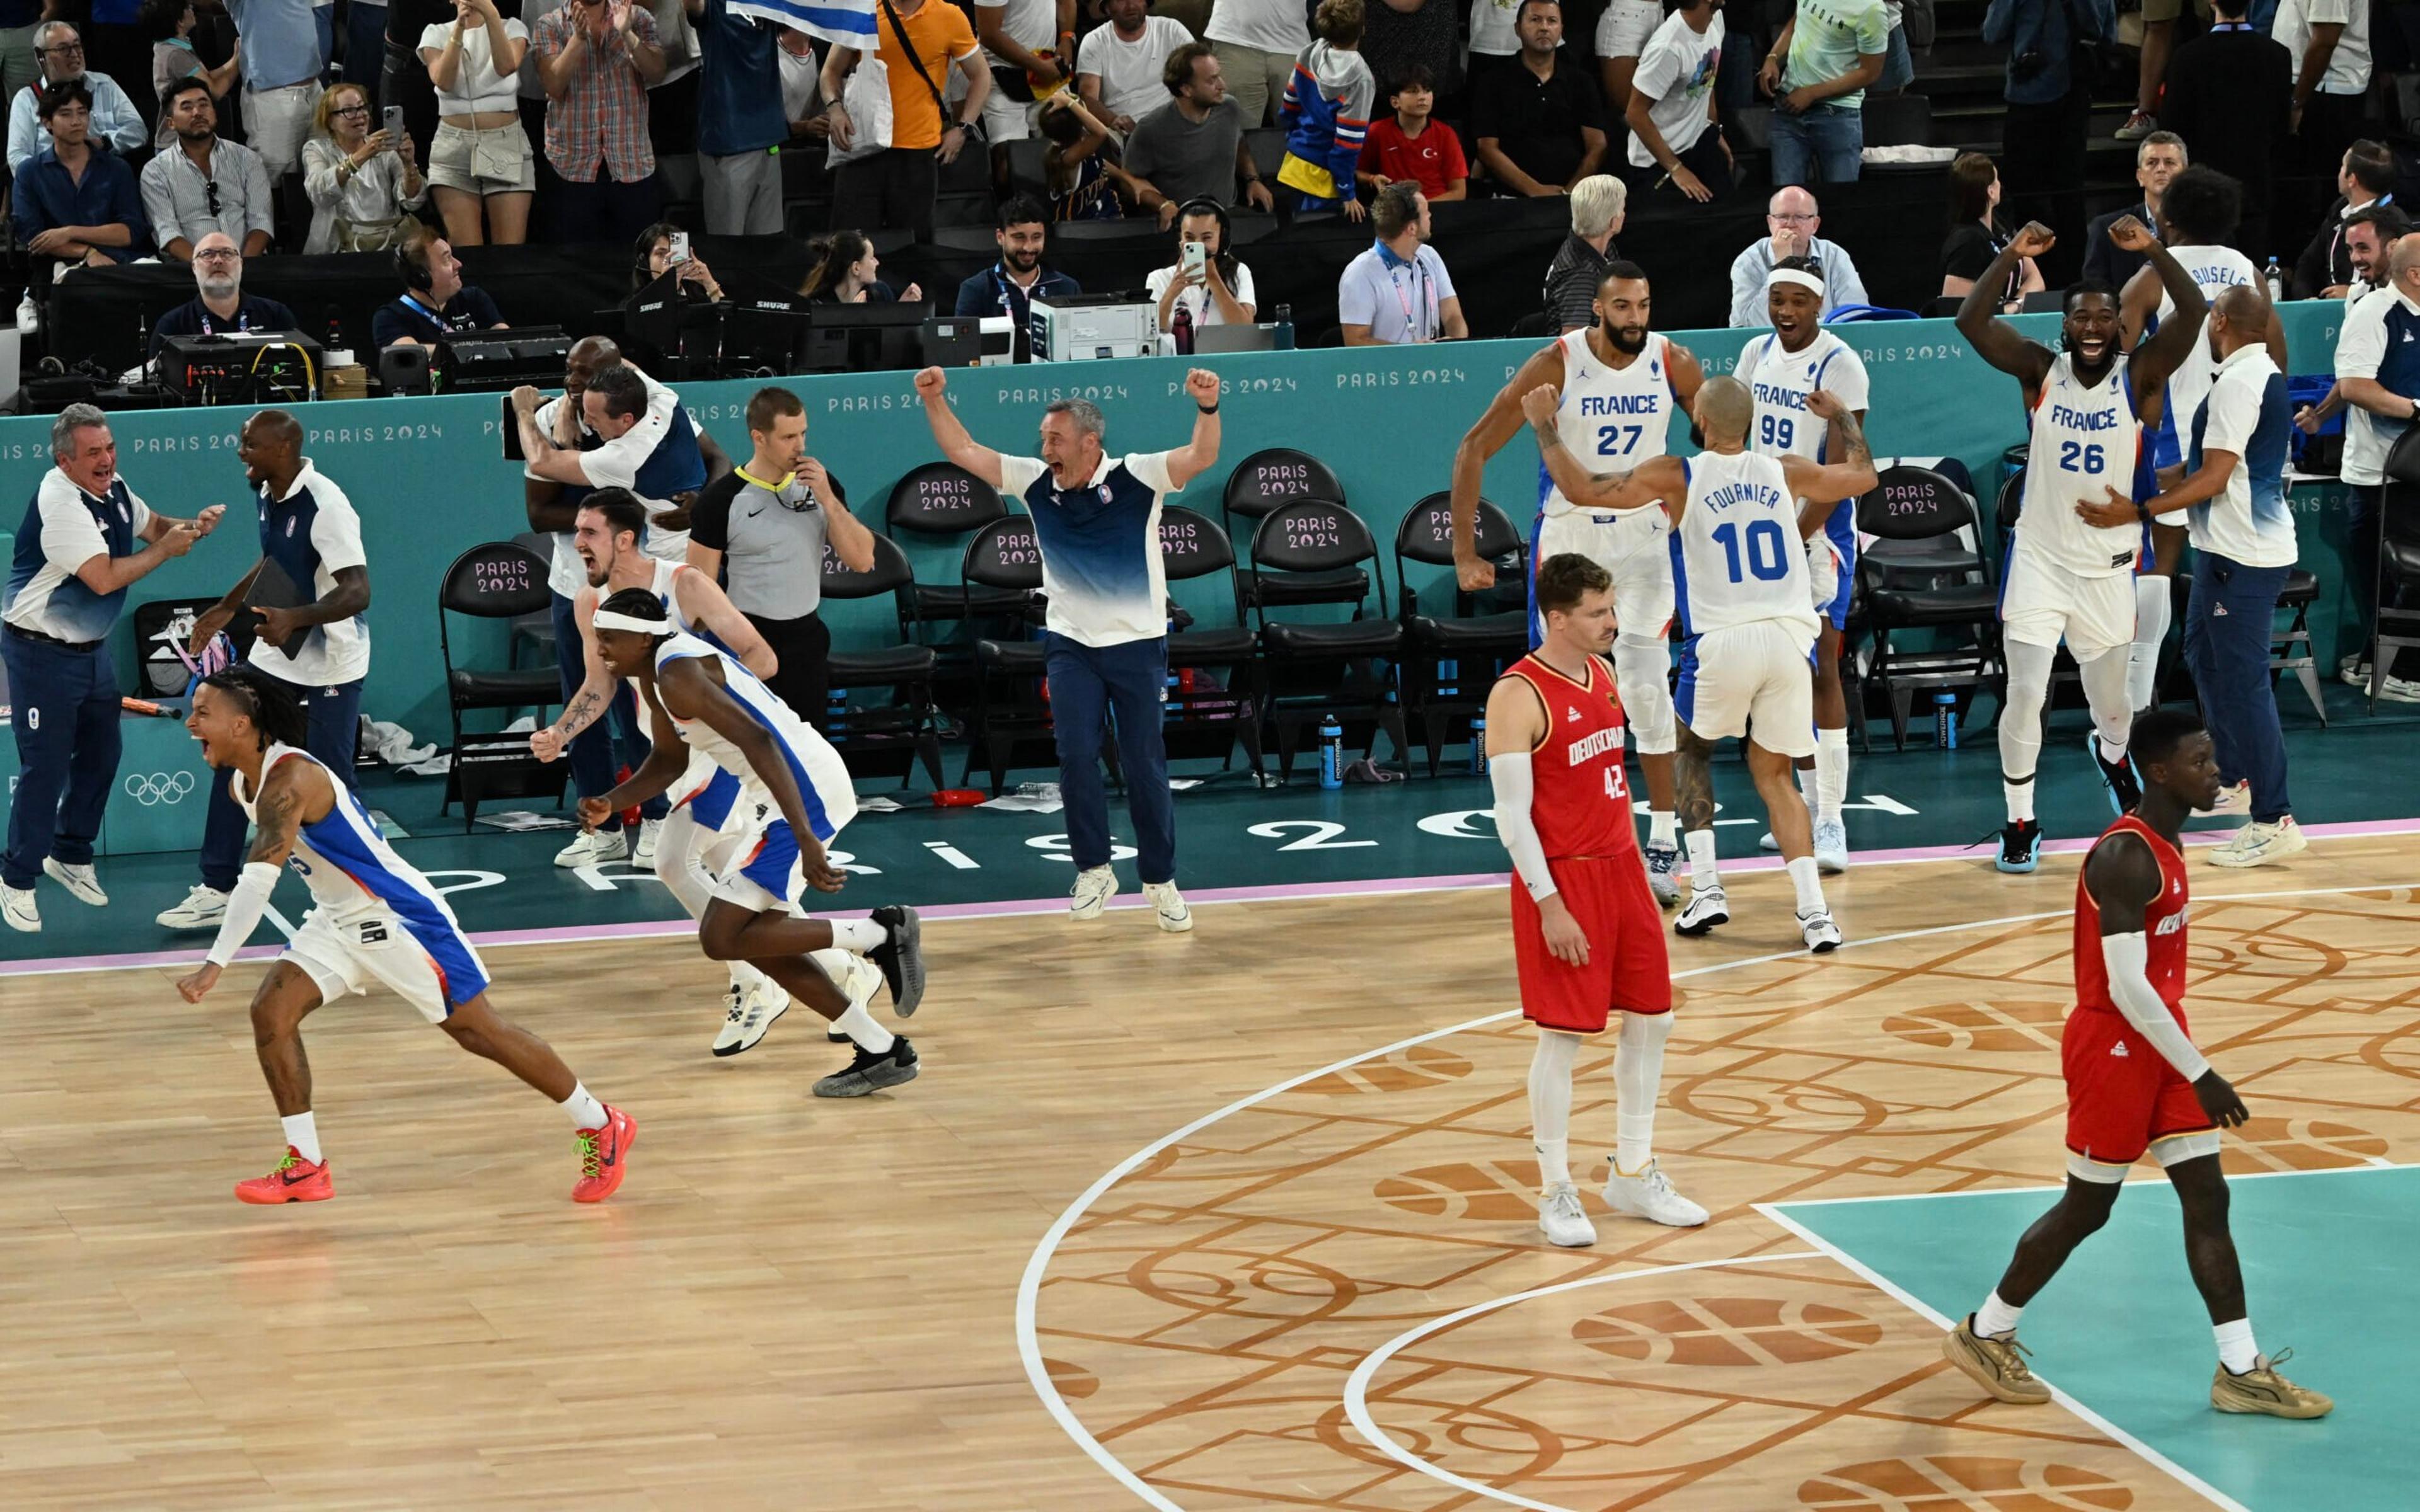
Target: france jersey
(706,789)
(822,779)
(364,893)
(2085,440)
(2214,270)
(1612,418)
(1781,380)
(1737,556)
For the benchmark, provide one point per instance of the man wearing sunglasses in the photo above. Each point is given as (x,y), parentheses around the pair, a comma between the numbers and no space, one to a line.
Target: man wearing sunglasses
(204,184)
(221,307)
(60,53)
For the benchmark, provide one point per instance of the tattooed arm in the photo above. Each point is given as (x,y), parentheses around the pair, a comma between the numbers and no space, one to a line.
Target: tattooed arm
(1823,484)
(1693,780)
(589,701)
(292,793)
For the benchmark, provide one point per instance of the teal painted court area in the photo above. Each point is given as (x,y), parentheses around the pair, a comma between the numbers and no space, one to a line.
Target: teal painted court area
(2122,1335)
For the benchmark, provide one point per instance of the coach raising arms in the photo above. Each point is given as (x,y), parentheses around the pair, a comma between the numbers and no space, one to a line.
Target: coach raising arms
(1096,520)
(75,559)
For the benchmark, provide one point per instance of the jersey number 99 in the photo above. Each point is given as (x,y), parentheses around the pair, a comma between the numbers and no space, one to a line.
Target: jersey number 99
(1766,548)
(2079,456)
(1776,431)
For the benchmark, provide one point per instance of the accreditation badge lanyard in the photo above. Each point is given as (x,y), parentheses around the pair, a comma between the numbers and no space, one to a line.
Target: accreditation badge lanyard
(1412,326)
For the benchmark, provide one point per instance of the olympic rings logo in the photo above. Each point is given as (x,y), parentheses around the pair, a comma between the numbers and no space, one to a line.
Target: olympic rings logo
(150,788)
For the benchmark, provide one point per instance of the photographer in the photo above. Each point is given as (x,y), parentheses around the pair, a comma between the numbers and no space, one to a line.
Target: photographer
(2049,106)
(1206,282)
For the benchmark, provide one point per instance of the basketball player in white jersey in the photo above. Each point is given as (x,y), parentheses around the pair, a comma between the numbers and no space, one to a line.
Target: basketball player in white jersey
(1781,370)
(1739,562)
(701,824)
(1621,385)
(2089,406)
(374,919)
(2195,228)
(794,795)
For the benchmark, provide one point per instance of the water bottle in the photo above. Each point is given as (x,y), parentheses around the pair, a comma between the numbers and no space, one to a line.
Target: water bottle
(836,714)
(1945,720)
(1284,315)
(1479,744)
(1331,752)
(2276,281)
(1179,330)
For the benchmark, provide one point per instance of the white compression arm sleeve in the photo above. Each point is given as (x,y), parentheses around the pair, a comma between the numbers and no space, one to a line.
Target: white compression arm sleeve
(2128,958)
(1510,777)
(244,907)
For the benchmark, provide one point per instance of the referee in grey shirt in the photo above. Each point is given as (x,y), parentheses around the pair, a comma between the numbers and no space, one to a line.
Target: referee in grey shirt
(759,530)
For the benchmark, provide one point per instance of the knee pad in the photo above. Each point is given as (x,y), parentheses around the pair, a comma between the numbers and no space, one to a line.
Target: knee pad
(1642,667)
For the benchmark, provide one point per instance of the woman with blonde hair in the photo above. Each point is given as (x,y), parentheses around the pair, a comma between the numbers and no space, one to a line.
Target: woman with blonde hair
(364,185)
(479,163)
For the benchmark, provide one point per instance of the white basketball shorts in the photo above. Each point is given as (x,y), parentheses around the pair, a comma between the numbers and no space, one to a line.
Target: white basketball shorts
(1753,674)
(2042,603)
(1634,546)
(432,970)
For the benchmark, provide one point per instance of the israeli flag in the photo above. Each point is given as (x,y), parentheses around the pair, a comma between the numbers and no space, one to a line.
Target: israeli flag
(848,22)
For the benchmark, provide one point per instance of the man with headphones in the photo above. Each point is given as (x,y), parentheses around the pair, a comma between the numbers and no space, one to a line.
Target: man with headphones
(436,304)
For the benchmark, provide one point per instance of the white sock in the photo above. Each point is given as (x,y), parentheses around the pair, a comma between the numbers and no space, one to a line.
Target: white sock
(2021,800)
(1637,1074)
(1810,787)
(1808,884)
(586,1112)
(1663,829)
(2153,608)
(1995,1319)
(1702,873)
(2235,1349)
(1832,774)
(303,1135)
(857,936)
(1550,1103)
(859,1025)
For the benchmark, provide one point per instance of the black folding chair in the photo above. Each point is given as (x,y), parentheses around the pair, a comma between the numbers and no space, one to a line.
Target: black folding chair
(1004,559)
(1450,663)
(1925,570)
(904,670)
(497,580)
(1344,671)
(1192,546)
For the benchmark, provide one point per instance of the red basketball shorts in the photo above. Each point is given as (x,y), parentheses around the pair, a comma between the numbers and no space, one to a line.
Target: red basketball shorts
(1627,968)
(2121,1094)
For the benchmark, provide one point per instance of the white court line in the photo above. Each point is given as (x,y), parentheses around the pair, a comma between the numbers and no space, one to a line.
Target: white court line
(1029,1287)
(1356,1386)
(1915,1304)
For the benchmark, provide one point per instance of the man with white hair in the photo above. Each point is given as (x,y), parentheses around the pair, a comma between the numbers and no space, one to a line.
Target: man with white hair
(1097,524)
(1597,205)
(219,307)
(59,51)
(1791,218)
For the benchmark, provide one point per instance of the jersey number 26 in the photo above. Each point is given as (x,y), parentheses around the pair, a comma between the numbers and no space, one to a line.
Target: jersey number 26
(2079,456)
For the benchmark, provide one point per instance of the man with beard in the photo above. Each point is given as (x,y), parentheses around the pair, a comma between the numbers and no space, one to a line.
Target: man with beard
(222,307)
(2064,579)
(204,184)
(1010,285)
(1620,385)
(612,523)
(1781,370)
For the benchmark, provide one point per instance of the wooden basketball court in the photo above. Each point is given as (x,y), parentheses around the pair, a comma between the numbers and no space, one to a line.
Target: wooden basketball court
(795,1303)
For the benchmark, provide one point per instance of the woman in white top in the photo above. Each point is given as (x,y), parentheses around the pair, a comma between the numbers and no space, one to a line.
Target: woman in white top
(1218,292)
(364,185)
(480,159)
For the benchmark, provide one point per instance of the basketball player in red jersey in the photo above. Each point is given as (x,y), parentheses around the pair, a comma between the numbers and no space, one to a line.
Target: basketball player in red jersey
(1587,937)
(2135,1083)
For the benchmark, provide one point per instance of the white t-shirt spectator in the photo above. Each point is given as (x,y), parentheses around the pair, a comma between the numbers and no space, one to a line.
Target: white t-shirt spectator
(1101,567)
(2380,340)
(1028,22)
(614,464)
(801,84)
(1400,301)
(2348,65)
(1492,28)
(2251,521)
(477,86)
(1130,72)
(1677,71)
(1197,301)
(1266,25)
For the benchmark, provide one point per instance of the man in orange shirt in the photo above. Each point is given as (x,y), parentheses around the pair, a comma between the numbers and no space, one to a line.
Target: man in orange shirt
(894,187)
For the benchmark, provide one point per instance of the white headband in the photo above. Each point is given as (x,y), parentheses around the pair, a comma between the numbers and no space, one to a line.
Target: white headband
(606,619)
(1791,275)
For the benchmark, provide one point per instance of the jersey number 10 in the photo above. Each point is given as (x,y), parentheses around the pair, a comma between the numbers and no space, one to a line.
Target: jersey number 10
(1764,540)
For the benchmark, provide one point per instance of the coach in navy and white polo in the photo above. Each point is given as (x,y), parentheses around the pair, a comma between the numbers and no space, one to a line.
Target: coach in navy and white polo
(85,539)
(1106,631)
(309,527)
(2378,370)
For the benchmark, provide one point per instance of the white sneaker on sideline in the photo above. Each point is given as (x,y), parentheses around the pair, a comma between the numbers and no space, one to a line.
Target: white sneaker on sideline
(1561,1219)
(16,907)
(1664,874)
(643,854)
(2236,799)
(1706,908)
(750,1013)
(594,848)
(1094,886)
(82,885)
(1649,1194)
(203,908)
(1831,848)
(1822,935)
(1170,904)
(1766,842)
(2257,845)
(30,314)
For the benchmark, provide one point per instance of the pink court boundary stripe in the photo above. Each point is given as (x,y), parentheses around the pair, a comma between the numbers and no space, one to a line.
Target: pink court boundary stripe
(1275,892)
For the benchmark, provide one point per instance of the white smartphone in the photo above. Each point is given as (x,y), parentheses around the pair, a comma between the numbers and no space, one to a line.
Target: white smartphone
(679,252)
(1194,258)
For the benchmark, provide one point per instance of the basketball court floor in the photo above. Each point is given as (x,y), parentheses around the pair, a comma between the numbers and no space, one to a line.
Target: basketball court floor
(1233,1220)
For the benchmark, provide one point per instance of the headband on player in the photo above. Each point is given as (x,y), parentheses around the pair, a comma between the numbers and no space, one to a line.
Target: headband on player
(607,620)
(1791,275)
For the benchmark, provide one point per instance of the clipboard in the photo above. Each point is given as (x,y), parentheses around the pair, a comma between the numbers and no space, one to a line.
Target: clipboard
(274,588)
